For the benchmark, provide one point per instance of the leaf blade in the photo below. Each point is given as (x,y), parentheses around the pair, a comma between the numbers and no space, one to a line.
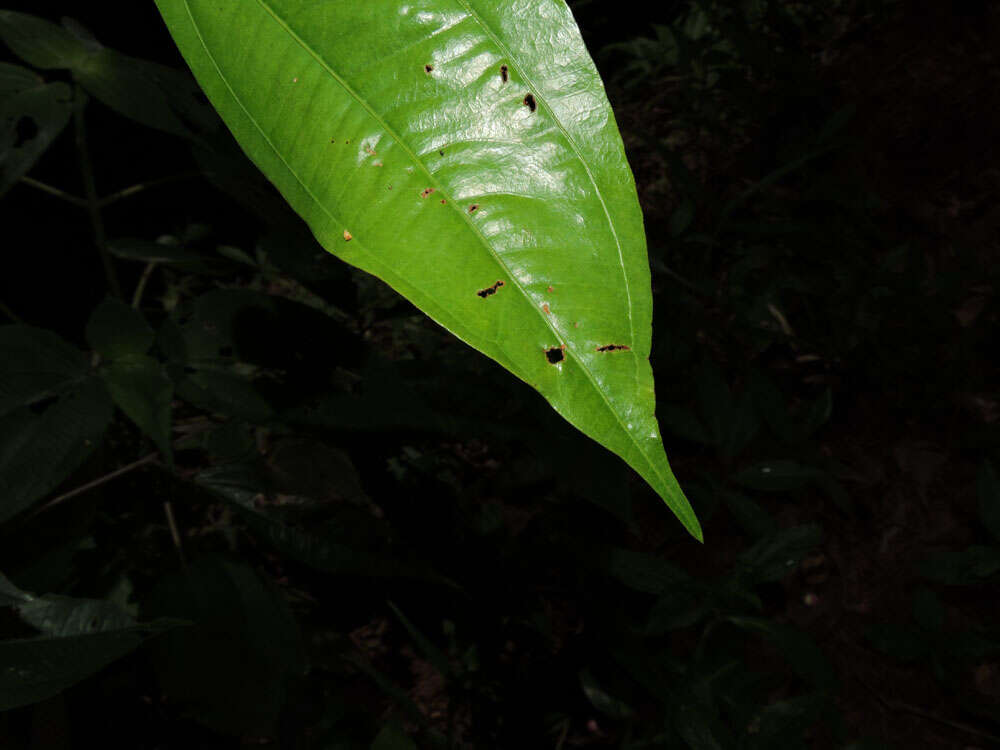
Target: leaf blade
(486,197)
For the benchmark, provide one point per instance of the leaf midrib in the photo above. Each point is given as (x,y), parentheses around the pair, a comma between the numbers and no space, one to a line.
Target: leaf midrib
(398,140)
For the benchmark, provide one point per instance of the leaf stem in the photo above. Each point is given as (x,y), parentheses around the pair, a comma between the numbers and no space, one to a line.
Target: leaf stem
(46,188)
(141,286)
(141,186)
(90,191)
(97,482)
(9,313)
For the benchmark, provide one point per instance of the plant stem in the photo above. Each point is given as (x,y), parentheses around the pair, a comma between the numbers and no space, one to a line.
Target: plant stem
(96,482)
(140,186)
(9,313)
(175,534)
(90,191)
(141,286)
(45,188)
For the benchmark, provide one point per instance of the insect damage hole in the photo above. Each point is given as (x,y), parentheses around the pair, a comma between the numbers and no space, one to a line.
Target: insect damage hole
(504,73)
(426,191)
(473,208)
(529,102)
(428,68)
(613,348)
(484,293)
(556,354)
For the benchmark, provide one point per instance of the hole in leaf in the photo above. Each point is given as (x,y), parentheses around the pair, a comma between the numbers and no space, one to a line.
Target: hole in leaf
(613,348)
(428,68)
(473,208)
(425,192)
(555,355)
(484,293)
(441,151)
(504,74)
(25,130)
(529,102)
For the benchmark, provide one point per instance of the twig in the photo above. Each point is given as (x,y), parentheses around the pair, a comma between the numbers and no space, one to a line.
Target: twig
(10,313)
(141,186)
(69,197)
(141,286)
(96,483)
(902,707)
(175,533)
(90,190)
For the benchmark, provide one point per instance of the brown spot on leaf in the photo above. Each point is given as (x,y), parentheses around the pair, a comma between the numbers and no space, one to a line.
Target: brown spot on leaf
(529,102)
(425,192)
(555,355)
(504,73)
(428,68)
(613,348)
(443,201)
(545,307)
(549,290)
(441,151)
(473,208)
(490,290)
(348,236)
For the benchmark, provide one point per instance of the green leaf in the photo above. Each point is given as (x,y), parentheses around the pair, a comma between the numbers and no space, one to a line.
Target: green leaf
(680,607)
(30,120)
(40,43)
(38,668)
(988,489)
(151,94)
(643,572)
(603,701)
(392,737)
(38,452)
(63,616)
(752,518)
(132,248)
(774,556)
(962,567)
(116,330)
(430,651)
(336,547)
(143,390)
(14,78)
(80,636)
(804,657)
(232,669)
(35,363)
(777,476)
(489,123)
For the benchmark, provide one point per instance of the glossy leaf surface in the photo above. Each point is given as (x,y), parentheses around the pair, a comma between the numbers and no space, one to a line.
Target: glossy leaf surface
(463,151)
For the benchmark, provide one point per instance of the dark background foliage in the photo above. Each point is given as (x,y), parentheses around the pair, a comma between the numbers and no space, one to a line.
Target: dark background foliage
(260,499)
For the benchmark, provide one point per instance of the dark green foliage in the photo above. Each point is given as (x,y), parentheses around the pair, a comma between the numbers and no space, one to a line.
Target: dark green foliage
(274,522)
